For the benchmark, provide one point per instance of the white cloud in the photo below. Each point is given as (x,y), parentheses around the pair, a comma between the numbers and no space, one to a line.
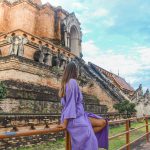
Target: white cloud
(90,49)
(100,12)
(109,22)
(110,60)
(85,31)
(145,55)
(79,6)
(130,68)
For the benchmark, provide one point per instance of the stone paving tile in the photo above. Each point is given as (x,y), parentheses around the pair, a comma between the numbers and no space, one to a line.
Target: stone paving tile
(145,146)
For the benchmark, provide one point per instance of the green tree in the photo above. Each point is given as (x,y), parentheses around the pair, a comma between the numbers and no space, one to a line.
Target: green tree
(125,107)
(2,90)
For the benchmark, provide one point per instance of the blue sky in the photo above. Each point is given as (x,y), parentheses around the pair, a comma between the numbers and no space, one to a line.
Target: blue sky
(116,35)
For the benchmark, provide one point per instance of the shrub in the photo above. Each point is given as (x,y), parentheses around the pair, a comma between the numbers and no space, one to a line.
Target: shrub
(125,107)
(2,90)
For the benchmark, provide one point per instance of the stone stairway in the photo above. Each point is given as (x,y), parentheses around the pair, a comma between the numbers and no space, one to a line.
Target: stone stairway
(90,72)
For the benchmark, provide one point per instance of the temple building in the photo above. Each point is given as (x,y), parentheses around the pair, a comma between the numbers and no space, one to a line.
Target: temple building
(52,24)
(142,101)
(36,43)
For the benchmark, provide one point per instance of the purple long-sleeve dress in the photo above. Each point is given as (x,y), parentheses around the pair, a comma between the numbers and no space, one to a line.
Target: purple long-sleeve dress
(79,126)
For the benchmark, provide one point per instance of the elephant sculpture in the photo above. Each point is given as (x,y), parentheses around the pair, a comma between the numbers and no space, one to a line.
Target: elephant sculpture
(17,44)
(43,55)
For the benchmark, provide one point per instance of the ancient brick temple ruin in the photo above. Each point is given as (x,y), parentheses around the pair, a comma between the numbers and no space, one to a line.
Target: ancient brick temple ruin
(36,42)
(142,101)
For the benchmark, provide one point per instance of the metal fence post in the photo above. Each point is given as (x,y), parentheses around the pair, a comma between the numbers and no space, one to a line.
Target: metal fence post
(127,135)
(147,131)
(68,141)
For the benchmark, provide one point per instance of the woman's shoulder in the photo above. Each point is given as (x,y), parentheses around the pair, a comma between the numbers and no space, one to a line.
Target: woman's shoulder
(72,82)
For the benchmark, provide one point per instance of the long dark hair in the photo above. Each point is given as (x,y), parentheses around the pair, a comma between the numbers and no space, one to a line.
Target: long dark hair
(70,72)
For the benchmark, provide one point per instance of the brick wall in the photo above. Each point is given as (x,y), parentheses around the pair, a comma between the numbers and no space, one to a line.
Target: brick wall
(28,17)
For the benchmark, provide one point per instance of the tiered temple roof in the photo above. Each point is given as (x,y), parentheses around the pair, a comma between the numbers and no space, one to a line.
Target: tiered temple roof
(116,80)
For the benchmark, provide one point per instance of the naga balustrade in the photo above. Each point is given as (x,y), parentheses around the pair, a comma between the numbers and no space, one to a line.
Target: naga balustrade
(68,143)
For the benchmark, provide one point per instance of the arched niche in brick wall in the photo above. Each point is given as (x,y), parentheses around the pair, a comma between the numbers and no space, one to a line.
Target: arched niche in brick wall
(72,33)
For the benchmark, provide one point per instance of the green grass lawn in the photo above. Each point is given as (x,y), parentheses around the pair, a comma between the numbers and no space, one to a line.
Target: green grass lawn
(114,144)
(58,145)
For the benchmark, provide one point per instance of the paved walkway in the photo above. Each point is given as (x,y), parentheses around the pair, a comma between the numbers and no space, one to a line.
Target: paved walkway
(145,146)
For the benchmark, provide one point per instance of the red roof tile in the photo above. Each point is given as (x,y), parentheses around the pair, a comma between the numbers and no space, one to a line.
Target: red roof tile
(122,83)
(119,80)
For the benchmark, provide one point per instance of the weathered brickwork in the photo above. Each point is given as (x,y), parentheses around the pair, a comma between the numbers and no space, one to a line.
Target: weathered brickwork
(27,17)
(24,70)
(102,95)
(37,41)
(42,20)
